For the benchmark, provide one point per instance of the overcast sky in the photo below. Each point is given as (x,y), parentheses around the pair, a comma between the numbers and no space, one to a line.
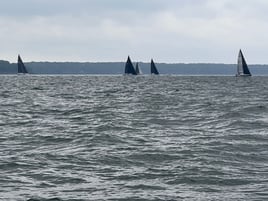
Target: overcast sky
(171,31)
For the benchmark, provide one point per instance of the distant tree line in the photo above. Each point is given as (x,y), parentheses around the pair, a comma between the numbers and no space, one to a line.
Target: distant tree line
(7,68)
(118,68)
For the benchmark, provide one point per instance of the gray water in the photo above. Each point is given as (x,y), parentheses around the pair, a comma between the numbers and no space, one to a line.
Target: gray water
(133,138)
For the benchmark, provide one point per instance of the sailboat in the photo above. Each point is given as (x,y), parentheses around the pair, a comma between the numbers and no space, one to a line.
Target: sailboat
(21,67)
(153,68)
(138,70)
(242,67)
(129,68)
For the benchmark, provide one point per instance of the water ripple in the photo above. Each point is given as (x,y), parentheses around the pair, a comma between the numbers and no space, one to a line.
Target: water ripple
(133,138)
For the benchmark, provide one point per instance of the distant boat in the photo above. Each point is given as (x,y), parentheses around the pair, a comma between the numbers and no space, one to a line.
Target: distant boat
(153,68)
(242,67)
(21,67)
(138,70)
(129,68)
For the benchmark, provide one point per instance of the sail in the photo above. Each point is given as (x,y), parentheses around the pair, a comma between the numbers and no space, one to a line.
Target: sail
(153,68)
(138,70)
(242,67)
(129,68)
(21,66)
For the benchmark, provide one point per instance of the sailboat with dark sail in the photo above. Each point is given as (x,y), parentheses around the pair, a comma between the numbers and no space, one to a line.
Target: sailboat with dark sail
(129,68)
(153,68)
(138,70)
(242,67)
(21,67)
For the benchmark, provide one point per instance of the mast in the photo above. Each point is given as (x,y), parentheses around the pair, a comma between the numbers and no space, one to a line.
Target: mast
(21,66)
(153,68)
(129,68)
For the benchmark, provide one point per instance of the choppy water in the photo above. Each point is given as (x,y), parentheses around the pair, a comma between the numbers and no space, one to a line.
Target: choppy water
(133,138)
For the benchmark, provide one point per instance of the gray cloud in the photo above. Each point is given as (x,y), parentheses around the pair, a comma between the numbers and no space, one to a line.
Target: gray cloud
(75,7)
(109,30)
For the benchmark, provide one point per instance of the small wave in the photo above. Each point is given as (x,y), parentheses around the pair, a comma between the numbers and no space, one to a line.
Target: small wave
(133,138)
(45,199)
(37,88)
(145,187)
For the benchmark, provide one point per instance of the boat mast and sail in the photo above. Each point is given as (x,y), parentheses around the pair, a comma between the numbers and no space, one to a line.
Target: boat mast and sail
(138,70)
(153,68)
(21,67)
(242,67)
(129,68)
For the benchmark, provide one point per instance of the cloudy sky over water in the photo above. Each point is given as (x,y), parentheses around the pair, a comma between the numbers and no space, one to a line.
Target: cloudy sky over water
(172,31)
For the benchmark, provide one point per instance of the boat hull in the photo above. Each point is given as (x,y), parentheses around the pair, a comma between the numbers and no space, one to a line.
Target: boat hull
(243,75)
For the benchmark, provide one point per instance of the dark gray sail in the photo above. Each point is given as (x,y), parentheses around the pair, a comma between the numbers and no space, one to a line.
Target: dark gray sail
(138,70)
(153,68)
(242,67)
(129,68)
(21,66)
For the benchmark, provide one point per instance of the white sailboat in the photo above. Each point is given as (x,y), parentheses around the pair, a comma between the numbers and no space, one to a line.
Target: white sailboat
(138,70)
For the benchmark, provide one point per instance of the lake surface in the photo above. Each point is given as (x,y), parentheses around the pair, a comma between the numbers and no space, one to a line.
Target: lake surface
(133,138)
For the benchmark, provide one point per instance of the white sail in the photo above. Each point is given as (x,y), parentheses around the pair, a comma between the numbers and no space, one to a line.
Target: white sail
(138,70)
